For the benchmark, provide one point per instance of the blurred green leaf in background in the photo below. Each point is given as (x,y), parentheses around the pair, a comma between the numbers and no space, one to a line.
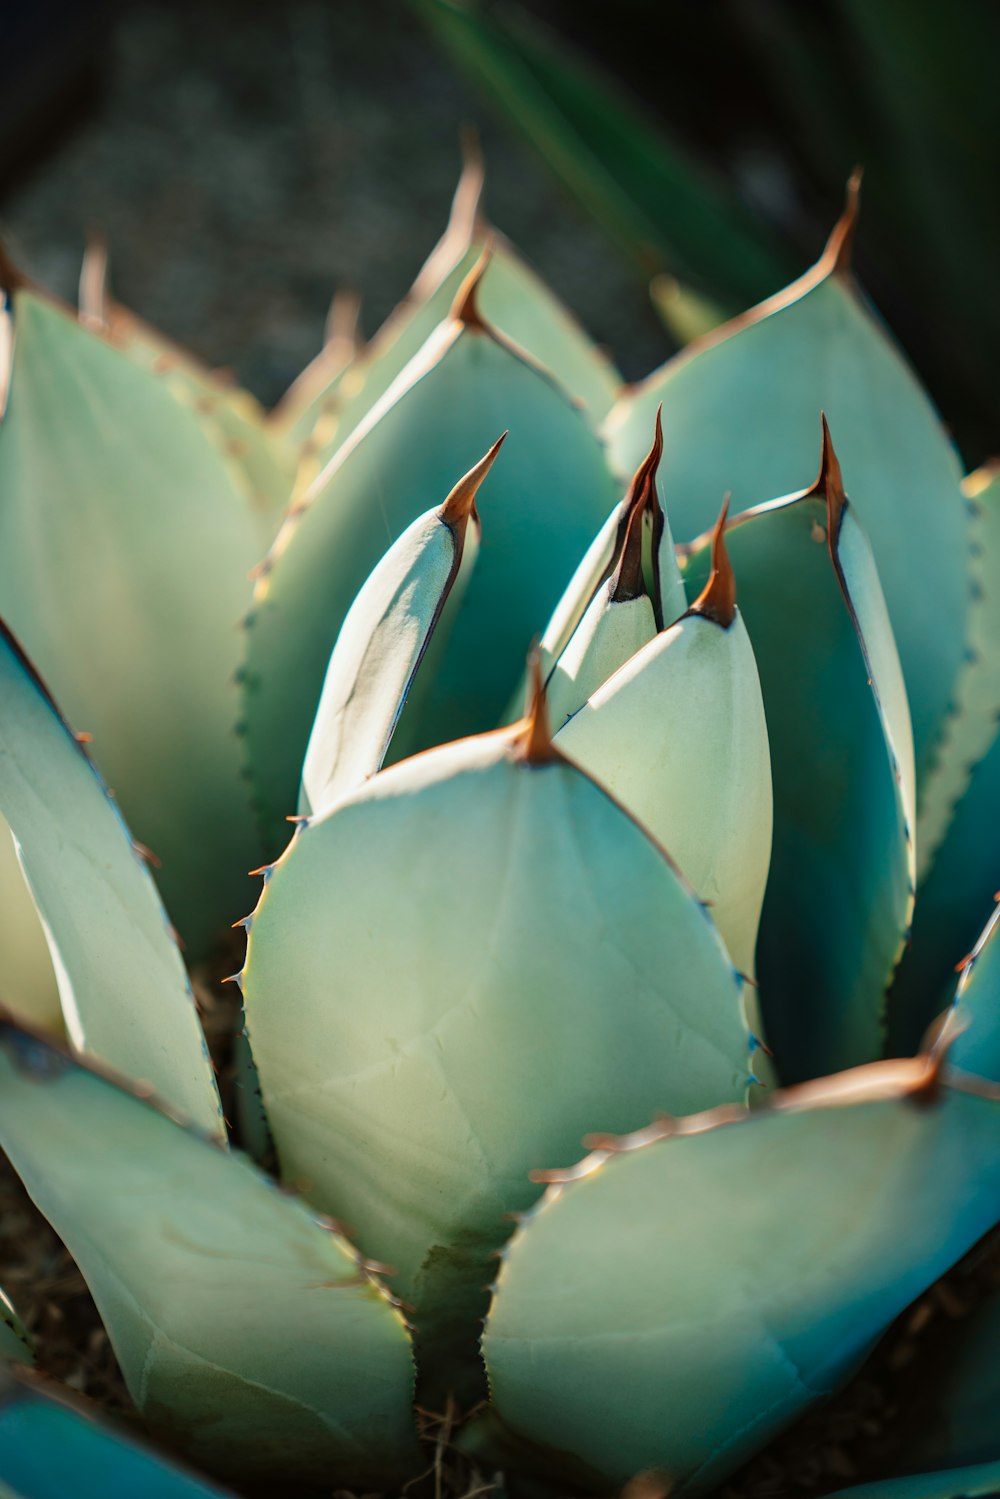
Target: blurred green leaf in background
(712,142)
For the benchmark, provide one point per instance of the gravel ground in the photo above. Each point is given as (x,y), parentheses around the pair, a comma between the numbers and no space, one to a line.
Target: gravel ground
(243,162)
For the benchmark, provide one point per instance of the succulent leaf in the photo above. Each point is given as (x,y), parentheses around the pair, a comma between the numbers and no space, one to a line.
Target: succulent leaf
(124,550)
(540,510)
(16,1345)
(482,911)
(972,726)
(259,462)
(654,1278)
(979,1482)
(840,890)
(124,991)
(219,1293)
(52,1446)
(619,597)
(513,298)
(678,736)
(962,801)
(739,411)
(383,641)
(27,979)
(974,1019)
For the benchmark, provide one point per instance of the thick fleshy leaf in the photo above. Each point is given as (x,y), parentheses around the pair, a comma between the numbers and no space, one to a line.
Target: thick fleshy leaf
(260,461)
(678,736)
(627,586)
(979,1482)
(740,411)
(333,396)
(480,911)
(516,300)
(16,1345)
(383,641)
(540,508)
(220,1295)
(695,1287)
(125,995)
(52,1446)
(124,552)
(27,979)
(972,725)
(975,1016)
(957,889)
(840,889)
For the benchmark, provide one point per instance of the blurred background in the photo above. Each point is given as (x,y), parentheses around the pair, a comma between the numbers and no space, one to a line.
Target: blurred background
(245,161)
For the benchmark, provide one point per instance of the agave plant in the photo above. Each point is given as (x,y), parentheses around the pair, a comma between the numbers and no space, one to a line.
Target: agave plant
(676,887)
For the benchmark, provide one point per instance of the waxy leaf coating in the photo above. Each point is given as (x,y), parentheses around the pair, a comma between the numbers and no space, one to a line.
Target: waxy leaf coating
(223,1298)
(448,976)
(125,995)
(739,413)
(682,1299)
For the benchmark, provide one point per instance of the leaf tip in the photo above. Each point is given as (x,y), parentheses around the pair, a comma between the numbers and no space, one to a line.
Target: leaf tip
(717,600)
(534,733)
(461,502)
(829,484)
(465,308)
(838,255)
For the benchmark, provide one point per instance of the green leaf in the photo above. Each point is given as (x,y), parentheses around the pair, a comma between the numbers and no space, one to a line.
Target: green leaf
(124,553)
(333,396)
(383,641)
(678,736)
(660,205)
(16,1345)
(683,1294)
(980,1482)
(840,890)
(125,995)
(740,411)
(221,1296)
(481,912)
(626,587)
(27,980)
(540,507)
(52,1446)
(962,801)
(974,1019)
(972,725)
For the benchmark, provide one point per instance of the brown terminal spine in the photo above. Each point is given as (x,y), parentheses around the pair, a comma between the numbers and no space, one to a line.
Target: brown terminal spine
(717,600)
(461,503)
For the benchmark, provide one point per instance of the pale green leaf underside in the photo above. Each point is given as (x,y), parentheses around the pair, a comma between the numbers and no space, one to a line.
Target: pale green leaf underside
(124,553)
(27,981)
(377,655)
(678,736)
(219,1294)
(681,1305)
(608,635)
(475,917)
(741,413)
(125,995)
(539,508)
(840,888)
